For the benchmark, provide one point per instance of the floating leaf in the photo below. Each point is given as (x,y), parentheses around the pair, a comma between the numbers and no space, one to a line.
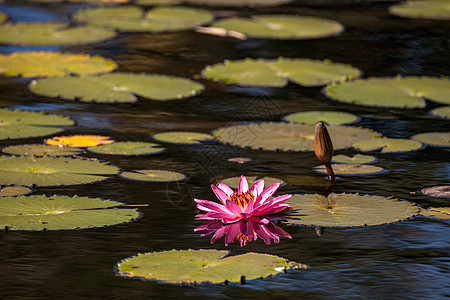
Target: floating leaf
(233,182)
(346,210)
(116,87)
(52,171)
(329,117)
(288,136)
(441,112)
(17,123)
(429,9)
(182,137)
(14,190)
(387,145)
(61,212)
(350,169)
(132,18)
(433,138)
(202,266)
(52,33)
(437,191)
(153,175)
(403,92)
(158,2)
(80,140)
(356,159)
(127,148)
(3,17)
(41,150)
(45,63)
(282,27)
(239,3)
(436,212)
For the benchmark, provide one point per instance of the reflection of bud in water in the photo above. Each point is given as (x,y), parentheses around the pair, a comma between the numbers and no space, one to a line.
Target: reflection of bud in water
(323,147)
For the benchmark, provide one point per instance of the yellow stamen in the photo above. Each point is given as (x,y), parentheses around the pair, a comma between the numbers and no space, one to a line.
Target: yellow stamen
(242,199)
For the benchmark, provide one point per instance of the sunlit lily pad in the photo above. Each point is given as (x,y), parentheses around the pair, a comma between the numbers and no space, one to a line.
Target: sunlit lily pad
(437,191)
(80,140)
(153,175)
(17,123)
(3,17)
(350,169)
(403,92)
(441,112)
(52,33)
(14,190)
(239,3)
(133,18)
(282,27)
(433,138)
(233,182)
(41,150)
(116,87)
(158,2)
(329,117)
(47,64)
(183,137)
(387,145)
(127,148)
(429,9)
(346,210)
(52,171)
(436,212)
(202,266)
(288,136)
(39,212)
(355,159)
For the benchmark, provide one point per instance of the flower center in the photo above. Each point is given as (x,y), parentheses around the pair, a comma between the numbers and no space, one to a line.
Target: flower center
(242,199)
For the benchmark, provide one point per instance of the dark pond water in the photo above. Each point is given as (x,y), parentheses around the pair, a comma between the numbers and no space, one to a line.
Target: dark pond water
(407,260)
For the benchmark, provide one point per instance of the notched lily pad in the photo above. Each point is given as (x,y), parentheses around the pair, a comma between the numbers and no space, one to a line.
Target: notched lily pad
(436,213)
(233,182)
(202,266)
(347,210)
(153,175)
(433,138)
(441,112)
(128,148)
(39,212)
(429,9)
(182,137)
(350,169)
(355,159)
(437,191)
(41,150)
(80,140)
(14,190)
(329,117)
(388,145)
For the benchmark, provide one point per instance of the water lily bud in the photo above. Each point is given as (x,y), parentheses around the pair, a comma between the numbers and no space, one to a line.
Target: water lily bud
(323,147)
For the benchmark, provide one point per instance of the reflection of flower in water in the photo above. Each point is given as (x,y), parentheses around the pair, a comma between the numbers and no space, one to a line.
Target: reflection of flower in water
(243,231)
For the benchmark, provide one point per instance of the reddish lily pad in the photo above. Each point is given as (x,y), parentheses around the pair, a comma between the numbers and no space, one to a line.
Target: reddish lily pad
(127,148)
(350,169)
(437,191)
(388,145)
(433,138)
(153,175)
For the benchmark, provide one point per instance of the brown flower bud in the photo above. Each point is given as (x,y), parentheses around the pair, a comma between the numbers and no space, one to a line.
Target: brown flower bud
(323,147)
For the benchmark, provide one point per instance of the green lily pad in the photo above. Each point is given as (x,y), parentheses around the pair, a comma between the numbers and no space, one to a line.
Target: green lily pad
(182,137)
(116,87)
(52,171)
(14,190)
(437,191)
(429,9)
(233,182)
(48,64)
(329,117)
(403,92)
(3,17)
(288,136)
(41,150)
(127,148)
(52,33)
(387,145)
(441,112)
(433,138)
(350,169)
(153,175)
(239,3)
(133,19)
(282,27)
(202,266)
(355,159)
(157,2)
(17,123)
(436,212)
(347,210)
(61,212)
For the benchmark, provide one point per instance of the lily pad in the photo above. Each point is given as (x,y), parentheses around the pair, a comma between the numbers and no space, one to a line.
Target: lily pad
(347,210)
(233,182)
(41,150)
(14,190)
(202,266)
(288,136)
(127,148)
(182,137)
(48,64)
(17,123)
(437,191)
(433,138)
(429,9)
(39,212)
(282,27)
(52,33)
(329,117)
(157,2)
(134,19)
(441,112)
(350,169)
(3,17)
(355,159)
(403,92)
(153,175)
(239,3)
(52,171)
(116,87)
(387,145)
(436,212)
(80,140)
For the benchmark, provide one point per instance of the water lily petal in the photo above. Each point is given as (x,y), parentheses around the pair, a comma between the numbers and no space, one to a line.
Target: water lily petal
(225,188)
(207,206)
(219,233)
(262,234)
(249,208)
(267,193)
(233,208)
(220,194)
(281,199)
(257,188)
(243,185)
(232,232)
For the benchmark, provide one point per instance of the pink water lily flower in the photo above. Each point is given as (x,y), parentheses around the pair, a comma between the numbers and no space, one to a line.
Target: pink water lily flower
(243,204)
